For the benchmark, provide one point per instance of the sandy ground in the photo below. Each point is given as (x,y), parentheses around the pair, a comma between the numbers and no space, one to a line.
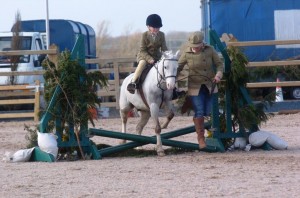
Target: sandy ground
(257,173)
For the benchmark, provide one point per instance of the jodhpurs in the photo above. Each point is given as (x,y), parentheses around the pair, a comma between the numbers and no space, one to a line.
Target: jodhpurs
(202,102)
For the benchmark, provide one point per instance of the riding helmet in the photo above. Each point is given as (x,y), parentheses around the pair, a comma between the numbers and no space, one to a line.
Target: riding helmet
(154,20)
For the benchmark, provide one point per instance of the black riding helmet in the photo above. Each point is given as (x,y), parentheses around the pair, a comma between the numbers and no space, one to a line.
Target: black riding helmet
(154,20)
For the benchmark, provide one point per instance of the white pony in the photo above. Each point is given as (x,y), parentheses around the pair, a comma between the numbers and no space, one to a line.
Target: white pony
(158,89)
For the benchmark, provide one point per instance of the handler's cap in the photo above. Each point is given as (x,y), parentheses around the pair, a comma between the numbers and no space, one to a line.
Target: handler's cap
(196,39)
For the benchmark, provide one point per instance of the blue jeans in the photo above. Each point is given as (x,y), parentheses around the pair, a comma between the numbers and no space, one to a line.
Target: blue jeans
(202,102)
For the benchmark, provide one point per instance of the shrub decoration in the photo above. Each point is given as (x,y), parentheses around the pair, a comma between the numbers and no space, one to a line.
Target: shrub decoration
(78,93)
(244,115)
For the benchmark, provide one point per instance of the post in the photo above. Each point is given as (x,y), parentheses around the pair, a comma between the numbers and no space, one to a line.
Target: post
(37,101)
(47,25)
(117,82)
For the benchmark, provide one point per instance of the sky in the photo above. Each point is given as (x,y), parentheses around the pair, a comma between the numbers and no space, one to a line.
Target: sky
(121,16)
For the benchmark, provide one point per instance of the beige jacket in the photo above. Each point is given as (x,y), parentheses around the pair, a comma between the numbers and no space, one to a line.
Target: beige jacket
(201,68)
(152,48)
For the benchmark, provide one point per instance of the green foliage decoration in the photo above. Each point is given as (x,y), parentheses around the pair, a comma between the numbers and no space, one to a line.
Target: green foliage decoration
(78,94)
(78,89)
(244,115)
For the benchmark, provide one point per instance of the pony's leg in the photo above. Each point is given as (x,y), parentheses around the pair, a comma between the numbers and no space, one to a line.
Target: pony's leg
(144,118)
(170,114)
(143,121)
(154,110)
(124,117)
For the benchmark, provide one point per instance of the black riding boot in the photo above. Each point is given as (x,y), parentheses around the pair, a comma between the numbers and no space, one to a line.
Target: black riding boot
(131,87)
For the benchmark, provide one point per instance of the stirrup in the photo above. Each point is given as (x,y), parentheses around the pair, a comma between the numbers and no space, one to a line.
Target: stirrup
(131,87)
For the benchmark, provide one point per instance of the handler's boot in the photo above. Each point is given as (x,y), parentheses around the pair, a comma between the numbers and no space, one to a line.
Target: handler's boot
(199,126)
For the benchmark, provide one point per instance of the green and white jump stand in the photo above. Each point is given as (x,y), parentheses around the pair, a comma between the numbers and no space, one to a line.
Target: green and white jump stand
(218,135)
(87,146)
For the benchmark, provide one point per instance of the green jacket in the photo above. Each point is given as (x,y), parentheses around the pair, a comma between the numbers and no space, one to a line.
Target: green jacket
(200,68)
(152,48)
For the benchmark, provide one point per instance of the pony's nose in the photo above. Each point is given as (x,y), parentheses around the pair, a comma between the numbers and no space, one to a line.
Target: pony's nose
(170,85)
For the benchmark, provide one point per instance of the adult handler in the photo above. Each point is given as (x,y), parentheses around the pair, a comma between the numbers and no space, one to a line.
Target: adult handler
(200,59)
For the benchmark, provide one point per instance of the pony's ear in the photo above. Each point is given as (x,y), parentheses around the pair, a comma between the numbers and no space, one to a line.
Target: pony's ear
(166,53)
(177,53)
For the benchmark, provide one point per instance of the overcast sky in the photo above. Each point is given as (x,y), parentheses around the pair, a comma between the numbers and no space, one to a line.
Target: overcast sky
(122,15)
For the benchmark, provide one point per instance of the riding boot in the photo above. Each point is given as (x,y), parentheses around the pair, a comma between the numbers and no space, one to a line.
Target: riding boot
(131,87)
(199,126)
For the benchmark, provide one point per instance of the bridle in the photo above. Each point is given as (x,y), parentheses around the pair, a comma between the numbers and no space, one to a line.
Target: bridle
(161,78)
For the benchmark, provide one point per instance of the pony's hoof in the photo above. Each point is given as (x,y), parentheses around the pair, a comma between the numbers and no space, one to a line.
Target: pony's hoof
(164,126)
(139,148)
(161,153)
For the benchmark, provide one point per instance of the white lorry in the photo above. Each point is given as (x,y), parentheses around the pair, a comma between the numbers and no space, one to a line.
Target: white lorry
(63,33)
(29,41)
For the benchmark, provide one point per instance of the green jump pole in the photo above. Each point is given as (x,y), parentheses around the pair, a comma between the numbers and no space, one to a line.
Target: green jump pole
(130,145)
(142,140)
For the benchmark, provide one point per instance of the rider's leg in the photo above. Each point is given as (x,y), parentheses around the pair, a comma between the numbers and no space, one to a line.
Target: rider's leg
(139,70)
(132,86)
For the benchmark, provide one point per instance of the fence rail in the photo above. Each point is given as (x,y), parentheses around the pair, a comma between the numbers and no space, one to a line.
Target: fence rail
(12,95)
(231,41)
(117,69)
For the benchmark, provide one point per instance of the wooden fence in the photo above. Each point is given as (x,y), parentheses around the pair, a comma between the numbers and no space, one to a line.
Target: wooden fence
(114,69)
(231,41)
(117,69)
(19,95)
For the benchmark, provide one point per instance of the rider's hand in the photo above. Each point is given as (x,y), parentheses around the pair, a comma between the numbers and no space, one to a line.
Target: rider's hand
(151,61)
(217,79)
